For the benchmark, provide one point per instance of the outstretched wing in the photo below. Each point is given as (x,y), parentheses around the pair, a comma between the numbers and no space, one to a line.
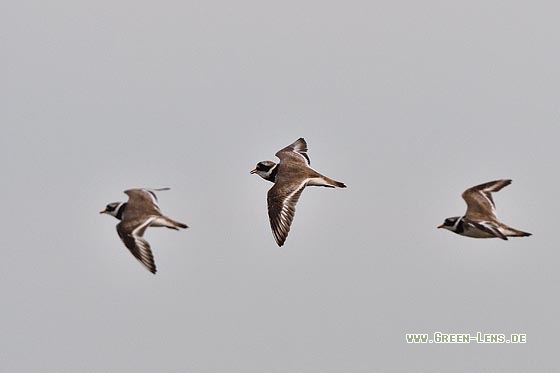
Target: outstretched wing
(295,152)
(131,236)
(282,199)
(142,202)
(480,204)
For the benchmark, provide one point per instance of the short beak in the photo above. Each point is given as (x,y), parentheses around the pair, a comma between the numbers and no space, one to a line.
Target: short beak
(253,170)
(441,226)
(103,212)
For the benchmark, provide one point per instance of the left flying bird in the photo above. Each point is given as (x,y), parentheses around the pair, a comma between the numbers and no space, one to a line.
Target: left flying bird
(138,213)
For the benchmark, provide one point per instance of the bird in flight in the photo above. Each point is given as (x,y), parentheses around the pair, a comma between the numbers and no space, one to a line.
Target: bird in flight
(480,220)
(136,215)
(290,177)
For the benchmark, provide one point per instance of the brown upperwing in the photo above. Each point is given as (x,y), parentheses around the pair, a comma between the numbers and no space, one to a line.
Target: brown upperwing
(480,205)
(138,246)
(297,151)
(282,199)
(141,204)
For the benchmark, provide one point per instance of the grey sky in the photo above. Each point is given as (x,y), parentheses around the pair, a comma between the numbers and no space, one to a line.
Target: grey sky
(407,102)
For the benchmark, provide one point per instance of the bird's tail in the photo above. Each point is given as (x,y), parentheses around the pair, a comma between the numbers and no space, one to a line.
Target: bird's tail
(164,221)
(512,232)
(322,180)
(337,184)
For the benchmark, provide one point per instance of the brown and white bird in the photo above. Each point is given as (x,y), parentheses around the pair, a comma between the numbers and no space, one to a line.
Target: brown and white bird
(290,177)
(140,212)
(480,220)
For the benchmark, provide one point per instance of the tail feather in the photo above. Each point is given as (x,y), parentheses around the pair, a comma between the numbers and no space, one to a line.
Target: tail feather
(164,221)
(520,234)
(512,232)
(179,224)
(325,182)
(338,184)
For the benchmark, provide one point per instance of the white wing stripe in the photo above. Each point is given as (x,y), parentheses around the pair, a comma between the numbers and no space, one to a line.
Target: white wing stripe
(486,195)
(286,213)
(141,226)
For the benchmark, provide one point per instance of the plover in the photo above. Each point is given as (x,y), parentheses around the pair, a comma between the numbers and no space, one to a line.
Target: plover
(140,212)
(290,177)
(480,220)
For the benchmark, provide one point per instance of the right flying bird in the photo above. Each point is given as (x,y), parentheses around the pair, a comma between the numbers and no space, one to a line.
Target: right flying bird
(480,220)
(290,177)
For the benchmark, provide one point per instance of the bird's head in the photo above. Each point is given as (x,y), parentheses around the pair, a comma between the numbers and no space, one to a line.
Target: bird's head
(266,170)
(450,223)
(114,209)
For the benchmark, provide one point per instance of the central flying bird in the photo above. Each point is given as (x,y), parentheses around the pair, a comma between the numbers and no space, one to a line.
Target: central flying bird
(290,177)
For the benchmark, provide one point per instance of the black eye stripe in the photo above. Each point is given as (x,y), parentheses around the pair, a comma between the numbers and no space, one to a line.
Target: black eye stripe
(111,207)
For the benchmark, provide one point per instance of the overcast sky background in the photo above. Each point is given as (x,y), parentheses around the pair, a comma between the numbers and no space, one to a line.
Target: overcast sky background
(409,103)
